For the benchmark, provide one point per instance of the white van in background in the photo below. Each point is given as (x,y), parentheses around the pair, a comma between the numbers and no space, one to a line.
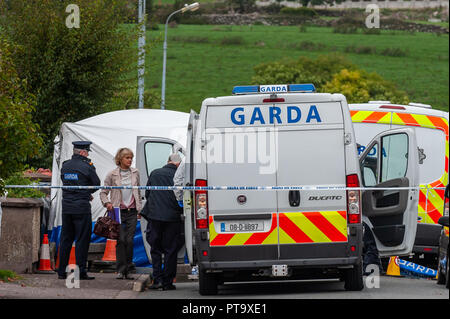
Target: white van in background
(284,136)
(431,128)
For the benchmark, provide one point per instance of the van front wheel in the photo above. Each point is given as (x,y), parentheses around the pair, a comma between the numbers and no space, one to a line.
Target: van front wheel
(207,283)
(354,278)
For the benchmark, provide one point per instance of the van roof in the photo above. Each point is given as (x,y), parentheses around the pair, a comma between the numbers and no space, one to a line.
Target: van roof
(262,99)
(414,108)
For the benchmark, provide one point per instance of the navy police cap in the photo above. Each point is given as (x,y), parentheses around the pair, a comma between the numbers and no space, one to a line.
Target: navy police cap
(82,145)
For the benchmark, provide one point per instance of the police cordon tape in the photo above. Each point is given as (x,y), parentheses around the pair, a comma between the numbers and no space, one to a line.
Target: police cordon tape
(214,188)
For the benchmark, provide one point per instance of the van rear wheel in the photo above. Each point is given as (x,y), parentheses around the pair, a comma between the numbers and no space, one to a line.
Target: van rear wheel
(207,283)
(354,278)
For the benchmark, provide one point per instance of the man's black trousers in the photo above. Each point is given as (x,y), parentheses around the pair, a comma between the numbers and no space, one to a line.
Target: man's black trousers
(164,239)
(76,227)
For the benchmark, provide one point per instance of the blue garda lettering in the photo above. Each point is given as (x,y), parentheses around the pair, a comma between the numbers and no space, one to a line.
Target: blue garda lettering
(313,114)
(278,89)
(275,113)
(257,116)
(361,149)
(294,115)
(71,176)
(290,109)
(372,152)
(240,116)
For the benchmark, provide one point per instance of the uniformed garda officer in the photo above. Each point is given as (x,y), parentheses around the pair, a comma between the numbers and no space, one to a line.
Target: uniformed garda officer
(76,208)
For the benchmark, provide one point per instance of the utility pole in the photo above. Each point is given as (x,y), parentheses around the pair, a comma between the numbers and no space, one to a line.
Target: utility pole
(141,56)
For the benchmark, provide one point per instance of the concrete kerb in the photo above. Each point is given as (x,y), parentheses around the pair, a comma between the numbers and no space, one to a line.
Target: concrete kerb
(104,286)
(48,286)
(142,282)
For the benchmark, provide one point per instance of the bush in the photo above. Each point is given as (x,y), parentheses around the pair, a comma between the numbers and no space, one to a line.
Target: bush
(359,86)
(19,137)
(302,11)
(243,6)
(129,99)
(18,179)
(190,39)
(271,8)
(303,70)
(395,52)
(345,29)
(8,275)
(303,29)
(361,49)
(310,46)
(233,40)
(375,31)
(347,25)
(332,74)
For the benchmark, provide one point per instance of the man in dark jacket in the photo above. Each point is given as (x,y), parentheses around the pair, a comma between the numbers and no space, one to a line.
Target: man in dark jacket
(164,224)
(76,208)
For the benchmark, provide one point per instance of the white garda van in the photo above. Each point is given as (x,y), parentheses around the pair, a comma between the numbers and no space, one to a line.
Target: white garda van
(278,137)
(431,129)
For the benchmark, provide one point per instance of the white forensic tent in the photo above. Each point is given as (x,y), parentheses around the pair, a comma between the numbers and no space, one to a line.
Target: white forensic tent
(108,132)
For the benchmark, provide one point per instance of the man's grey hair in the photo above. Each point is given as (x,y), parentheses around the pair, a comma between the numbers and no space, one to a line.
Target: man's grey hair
(77,151)
(174,158)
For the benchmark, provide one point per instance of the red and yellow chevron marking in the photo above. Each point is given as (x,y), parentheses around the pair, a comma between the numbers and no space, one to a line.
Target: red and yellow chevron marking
(313,227)
(371,117)
(431,202)
(240,239)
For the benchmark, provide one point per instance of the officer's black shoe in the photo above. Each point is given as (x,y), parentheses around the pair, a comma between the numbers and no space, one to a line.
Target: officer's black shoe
(156,285)
(86,277)
(126,276)
(64,276)
(169,287)
(120,276)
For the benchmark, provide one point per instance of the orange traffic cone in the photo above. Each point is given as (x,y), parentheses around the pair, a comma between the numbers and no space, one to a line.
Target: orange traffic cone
(393,267)
(110,250)
(72,257)
(44,260)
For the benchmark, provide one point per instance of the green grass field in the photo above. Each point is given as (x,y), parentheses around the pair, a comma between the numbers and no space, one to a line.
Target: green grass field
(207,61)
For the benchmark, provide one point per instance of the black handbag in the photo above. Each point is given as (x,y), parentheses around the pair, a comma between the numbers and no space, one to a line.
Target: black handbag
(107,227)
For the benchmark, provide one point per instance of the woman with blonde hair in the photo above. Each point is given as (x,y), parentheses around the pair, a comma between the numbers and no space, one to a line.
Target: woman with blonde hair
(130,203)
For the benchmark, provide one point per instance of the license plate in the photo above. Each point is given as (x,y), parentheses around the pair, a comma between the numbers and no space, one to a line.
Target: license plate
(242,226)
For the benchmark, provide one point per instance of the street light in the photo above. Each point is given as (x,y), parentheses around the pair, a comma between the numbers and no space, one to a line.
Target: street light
(192,7)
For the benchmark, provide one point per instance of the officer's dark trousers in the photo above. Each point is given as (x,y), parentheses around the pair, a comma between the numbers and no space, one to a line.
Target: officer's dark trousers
(124,246)
(164,238)
(75,227)
(370,250)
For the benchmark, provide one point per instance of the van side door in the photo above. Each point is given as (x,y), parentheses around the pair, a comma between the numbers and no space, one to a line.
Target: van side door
(391,161)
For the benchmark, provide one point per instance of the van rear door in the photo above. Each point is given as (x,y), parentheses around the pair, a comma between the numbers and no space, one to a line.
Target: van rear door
(311,152)
(391,160)
(240,152)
